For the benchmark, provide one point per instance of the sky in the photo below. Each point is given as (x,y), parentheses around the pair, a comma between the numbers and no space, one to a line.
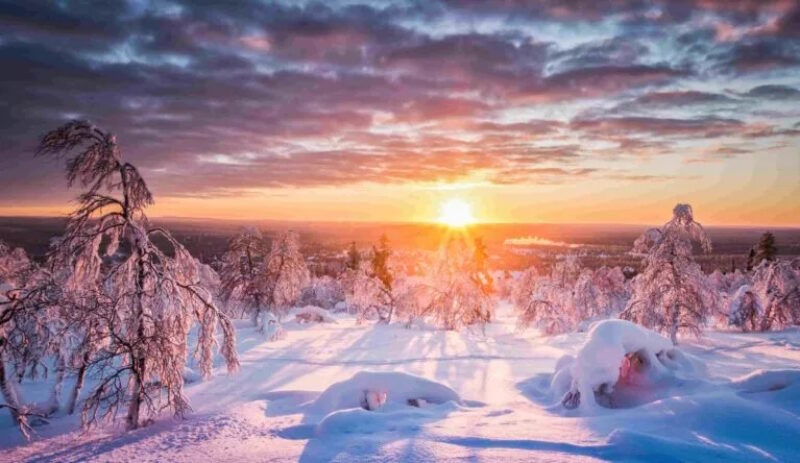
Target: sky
(581,111)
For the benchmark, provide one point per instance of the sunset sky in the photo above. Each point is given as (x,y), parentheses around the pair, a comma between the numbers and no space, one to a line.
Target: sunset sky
(536,111)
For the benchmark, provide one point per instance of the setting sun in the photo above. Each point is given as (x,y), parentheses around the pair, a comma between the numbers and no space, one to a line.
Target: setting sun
(456,212)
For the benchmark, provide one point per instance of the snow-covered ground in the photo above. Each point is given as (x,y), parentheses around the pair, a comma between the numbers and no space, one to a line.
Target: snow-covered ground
(478,396)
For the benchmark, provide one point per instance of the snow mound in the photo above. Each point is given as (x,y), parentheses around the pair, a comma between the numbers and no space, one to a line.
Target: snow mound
(271,327)
(312,314)
(389,390)
(767,381)
(622,364)
(395,419)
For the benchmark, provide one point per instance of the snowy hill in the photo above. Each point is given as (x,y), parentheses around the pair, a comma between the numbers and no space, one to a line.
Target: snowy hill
(473,395)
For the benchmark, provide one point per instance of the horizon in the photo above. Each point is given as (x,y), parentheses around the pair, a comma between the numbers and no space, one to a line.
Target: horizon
(433,222)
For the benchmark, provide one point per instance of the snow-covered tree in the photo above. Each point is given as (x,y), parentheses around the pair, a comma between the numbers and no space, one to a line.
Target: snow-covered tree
(480,267)
(672,294)
(353,257)
(745,310)
(147,296)
(612,290)
(27,333)
(777,287)
(262,279)
(559,302)
(244,283)
(286,272)
(457,298)
(324,292)
(764,250)
(369,288)
(524,286)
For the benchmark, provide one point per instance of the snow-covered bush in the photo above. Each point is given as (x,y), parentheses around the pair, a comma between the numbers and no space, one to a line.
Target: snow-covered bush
(324,292)
(271,327)
(745,310)
(672,294)
(619,354)
(568,296)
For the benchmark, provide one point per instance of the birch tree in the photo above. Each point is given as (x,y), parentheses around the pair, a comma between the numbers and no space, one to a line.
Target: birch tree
(148,296)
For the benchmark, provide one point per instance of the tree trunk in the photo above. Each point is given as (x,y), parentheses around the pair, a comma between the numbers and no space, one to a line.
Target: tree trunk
(136,397)
(673,327)
(54,403)
(76,391)
(11,398)
(138,360)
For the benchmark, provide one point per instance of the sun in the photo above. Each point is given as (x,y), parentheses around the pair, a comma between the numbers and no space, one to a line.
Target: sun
(456,212)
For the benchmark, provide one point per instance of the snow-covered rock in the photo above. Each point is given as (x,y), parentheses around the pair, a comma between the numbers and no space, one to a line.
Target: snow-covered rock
(312,314)
(372,390)
(620,353)
(271,327)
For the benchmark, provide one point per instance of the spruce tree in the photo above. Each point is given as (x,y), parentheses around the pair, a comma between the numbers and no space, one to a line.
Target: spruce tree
(353,257)
(766,250)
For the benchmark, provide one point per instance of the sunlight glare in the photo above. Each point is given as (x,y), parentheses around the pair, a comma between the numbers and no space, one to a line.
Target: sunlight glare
(456,212)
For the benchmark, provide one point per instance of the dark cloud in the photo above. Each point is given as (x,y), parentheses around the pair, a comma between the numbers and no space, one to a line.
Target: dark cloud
(774,92)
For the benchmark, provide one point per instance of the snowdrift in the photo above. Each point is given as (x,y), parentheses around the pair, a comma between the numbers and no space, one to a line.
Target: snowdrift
(371,402)
(388,390)
(622,364)
(312,314)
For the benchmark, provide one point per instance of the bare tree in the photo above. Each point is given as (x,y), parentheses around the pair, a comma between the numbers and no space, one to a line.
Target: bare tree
(672,294)
(148,295)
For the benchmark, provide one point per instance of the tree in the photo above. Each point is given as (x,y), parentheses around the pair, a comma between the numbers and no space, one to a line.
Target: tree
(380,262)
(751,259)
(286,273)
(353,257)
(550,302)
(243,274)
(480,271)
(263,279)
(777,287)
(672,294)
(323,292)
(456,298)
(745,310)
(766,250)
(147,296)
(27,334)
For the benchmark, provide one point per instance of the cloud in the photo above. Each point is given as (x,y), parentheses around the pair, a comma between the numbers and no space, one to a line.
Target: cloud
(215,98)
(773,92)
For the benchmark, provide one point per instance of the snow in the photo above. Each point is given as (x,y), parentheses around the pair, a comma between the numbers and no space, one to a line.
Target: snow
(605,360)
(398,389)
(311,314)
(745,406)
